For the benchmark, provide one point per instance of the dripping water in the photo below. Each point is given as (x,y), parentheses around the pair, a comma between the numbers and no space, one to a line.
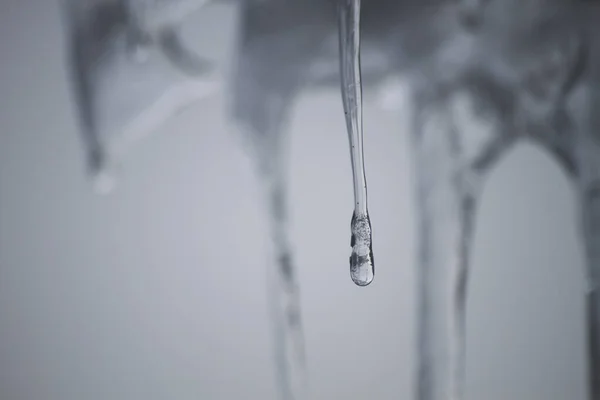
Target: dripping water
(362,267)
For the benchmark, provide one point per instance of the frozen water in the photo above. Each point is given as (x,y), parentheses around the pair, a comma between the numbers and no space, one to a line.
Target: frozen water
(516,68)
(362,267)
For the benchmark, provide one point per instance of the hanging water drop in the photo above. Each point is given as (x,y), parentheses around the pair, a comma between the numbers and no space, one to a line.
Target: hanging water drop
(104,182)
(101,174)
(362,268)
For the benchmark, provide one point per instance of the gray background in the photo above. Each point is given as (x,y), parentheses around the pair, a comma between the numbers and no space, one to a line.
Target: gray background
(157,291)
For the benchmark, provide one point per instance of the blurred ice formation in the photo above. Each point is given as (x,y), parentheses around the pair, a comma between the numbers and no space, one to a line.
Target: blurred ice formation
(481,74)
(130,72)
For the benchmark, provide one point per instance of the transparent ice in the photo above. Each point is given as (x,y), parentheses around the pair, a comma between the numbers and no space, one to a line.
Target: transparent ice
(362,267)
(483,74)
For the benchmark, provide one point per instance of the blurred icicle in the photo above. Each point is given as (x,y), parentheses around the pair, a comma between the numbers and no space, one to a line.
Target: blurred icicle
(271,65)
(120,97)
(447,191)
(283,288)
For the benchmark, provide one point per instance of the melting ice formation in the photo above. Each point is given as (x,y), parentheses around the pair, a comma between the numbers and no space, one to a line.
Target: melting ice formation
(520,68)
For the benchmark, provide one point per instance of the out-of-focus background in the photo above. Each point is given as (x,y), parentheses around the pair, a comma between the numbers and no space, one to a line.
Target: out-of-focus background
(158,290)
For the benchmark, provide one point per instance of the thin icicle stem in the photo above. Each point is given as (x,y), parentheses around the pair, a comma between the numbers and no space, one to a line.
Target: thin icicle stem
(362,268)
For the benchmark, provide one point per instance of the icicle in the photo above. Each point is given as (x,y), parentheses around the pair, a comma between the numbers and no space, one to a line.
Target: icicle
(283,291)
(119,96)
(587,159)
(362,267)
(269,70)
(448,176)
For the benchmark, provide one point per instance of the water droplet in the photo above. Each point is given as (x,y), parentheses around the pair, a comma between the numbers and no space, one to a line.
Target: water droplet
(104,182)
(100,168)
(362,266)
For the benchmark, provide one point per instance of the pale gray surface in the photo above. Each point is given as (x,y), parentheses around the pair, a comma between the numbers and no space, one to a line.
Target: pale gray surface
(157,292)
